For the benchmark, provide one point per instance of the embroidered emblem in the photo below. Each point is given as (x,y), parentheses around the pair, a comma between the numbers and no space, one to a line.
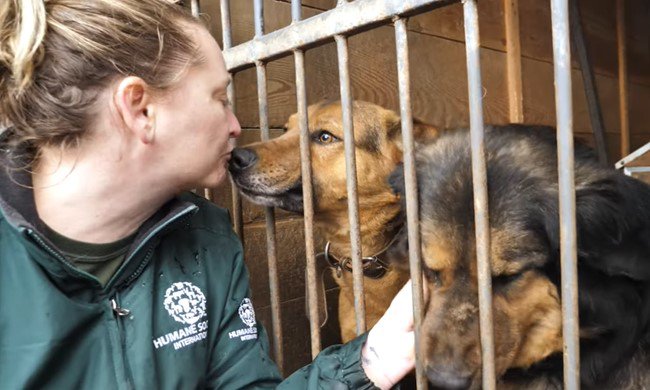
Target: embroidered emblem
(247,313)
(186,303)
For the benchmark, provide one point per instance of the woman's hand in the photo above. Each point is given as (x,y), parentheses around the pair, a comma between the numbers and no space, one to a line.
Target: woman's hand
(389,352)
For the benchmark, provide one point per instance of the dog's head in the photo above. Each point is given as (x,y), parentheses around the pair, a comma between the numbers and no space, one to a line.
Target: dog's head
(270,173)
(524,255)
(526,305)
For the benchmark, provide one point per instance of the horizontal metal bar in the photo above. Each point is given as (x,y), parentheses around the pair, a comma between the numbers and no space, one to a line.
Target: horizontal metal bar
(636,170)
(344,19)
(633,156)
(567,195)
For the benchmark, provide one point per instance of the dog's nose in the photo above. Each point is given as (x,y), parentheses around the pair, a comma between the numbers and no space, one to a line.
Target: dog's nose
(447,378)
(242,159)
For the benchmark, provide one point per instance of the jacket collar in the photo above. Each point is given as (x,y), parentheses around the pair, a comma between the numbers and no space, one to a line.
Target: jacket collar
(18,207)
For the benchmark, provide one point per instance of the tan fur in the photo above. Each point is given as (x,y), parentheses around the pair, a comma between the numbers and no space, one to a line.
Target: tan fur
(279,168)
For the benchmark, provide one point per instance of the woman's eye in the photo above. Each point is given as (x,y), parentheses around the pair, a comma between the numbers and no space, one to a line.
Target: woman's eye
(325,137)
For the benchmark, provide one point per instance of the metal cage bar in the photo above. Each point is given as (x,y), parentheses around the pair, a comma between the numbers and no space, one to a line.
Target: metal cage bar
(322,27)
(411,190)
(308,194)
(271,251)
(589,81)
(196,8)
(238,219)
(479,179)
(568,240)
(208,193)
(351,181)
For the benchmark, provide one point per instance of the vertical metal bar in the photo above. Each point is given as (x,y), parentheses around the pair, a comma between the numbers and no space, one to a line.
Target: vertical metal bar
(227,44)
(258,10)
(568,255)
(591,93)
(479,179)
(196,8)
(296,11)
(307,190)
(351,171)
(274,291)
(622,77)
(513,61)
(411,190)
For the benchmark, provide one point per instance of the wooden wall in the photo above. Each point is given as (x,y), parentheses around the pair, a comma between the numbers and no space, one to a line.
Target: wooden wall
(439,95)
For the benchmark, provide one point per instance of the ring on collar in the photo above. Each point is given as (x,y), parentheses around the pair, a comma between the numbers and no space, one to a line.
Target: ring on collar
(373,267)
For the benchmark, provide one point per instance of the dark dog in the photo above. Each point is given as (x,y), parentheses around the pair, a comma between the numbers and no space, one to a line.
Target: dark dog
(613,227)
(268,173)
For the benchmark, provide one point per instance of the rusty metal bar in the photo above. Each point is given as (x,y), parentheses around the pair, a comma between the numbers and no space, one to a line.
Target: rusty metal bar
(568,254)
(208,193)
(622,77)
(322,27)
(411,191)
(274,283)
(513,61)
(307,190)
(238,219)
(351,180)
(258,11)
(479,179)
(196,8)
(591,92)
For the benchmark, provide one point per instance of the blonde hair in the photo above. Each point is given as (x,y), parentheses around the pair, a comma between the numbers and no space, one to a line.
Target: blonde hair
(56,56)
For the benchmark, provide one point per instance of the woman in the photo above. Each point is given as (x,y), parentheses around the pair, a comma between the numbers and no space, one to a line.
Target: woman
(112,276)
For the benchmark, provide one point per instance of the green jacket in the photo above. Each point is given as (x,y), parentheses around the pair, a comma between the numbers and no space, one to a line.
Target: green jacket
(176,315)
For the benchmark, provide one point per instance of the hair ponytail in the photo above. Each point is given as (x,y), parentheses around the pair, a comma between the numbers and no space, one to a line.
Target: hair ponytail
(22,29)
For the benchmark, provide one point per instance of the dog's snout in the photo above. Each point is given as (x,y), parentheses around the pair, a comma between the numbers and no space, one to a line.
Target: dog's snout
(242,159)
(446,377)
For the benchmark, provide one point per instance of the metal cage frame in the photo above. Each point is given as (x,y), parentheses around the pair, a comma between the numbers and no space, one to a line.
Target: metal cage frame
(349,18)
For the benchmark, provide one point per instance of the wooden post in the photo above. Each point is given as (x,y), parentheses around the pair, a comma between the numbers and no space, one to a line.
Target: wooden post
(622,78)
(513,56)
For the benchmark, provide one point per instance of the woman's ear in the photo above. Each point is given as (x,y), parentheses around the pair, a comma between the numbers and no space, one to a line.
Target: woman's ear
(133,104)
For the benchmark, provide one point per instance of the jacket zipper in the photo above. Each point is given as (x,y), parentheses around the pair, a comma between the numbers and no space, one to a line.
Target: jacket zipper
(119,340)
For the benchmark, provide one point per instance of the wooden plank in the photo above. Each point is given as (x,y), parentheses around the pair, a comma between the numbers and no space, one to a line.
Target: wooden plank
(535,25)
(513,54)
(622,77)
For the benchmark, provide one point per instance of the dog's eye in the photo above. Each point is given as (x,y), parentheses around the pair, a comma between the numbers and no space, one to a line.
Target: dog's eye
(432,276)
(324,137)
(504,280)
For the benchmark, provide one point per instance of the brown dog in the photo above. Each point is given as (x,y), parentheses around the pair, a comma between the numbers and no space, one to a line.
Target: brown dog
(269,174)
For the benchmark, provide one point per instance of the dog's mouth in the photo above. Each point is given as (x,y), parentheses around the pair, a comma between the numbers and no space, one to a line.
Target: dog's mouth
(289,199)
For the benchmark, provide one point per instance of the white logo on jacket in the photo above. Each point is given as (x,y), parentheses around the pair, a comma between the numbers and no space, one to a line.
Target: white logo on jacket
(185,303)
(247,315)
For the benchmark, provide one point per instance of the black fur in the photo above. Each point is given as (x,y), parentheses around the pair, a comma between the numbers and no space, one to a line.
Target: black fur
(613,227)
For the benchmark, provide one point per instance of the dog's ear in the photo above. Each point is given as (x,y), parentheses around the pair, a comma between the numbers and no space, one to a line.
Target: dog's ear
(422,132)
